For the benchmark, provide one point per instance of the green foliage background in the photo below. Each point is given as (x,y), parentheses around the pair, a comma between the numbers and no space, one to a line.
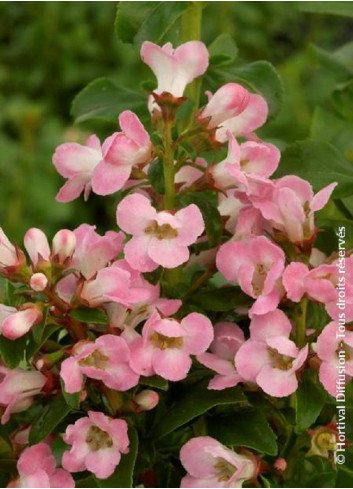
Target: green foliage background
(52,50)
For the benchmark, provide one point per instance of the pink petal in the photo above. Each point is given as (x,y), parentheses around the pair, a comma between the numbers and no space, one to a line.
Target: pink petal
(251,357)
(71,374)
(71,159)
(136,254)
(134,213)
(72,189)
(192,225)
(133,128)
(108,178)
(171,364)
(274,323)
(199,333)
(321,198)
(167,252)
(276,382)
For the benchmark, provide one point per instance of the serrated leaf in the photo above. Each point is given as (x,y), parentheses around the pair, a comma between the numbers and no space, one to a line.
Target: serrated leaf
(319,163)
(193,402)
(53,413)
(123,475)
(88,315)
(248,428)
(104,100)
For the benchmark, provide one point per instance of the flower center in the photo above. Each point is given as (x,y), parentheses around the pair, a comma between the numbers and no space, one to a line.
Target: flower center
(97,439)
(225,470)
(258,280)
(326,440)
(164,231)
(163,342)
(348,352)
(96,359)
(282,362)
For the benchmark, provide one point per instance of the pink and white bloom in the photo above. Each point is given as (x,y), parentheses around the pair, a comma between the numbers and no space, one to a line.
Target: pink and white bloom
(107,359)
(166,345)
(318,283)
(244,162)
(232,108)
(20,322)
(76,162)
(228,338)
(17,388)
(37,246)
(37,468)
(97,444)
(291,206)
(121,152)
(269,358)
(38,282)
(11,257)
(112,284)
(158,238)
(334,350)
(256,266)
(174,68)
(210,464)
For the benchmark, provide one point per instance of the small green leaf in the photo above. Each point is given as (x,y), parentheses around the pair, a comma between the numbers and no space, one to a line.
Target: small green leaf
(103,100)
(319,163)
(33,344)
(223,50)
(193,402)
(53,413)
(332,128)
(155,381)
(156,176)
(219,300)
(210,214)
(342,99)
(88,315)
(248,428)
(13,351)
(123,475)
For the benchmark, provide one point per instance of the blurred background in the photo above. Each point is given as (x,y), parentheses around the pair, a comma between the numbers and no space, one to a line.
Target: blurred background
(51,50)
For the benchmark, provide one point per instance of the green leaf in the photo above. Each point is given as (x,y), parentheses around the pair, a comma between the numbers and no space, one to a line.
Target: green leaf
(103,100)
(89,481)
(223,50)
(333,129)
(332,8)
(123,475)
(342,99)
(53,413)
(311,398)
(259,77)
(210,214)
(319,163)
(38,331)
(156,176)
(247,428)
(155,381)
(33,344)
(220,300)
(72,400)
(334,62)
(13,351)
(137,22)
(193,402)
(88,315)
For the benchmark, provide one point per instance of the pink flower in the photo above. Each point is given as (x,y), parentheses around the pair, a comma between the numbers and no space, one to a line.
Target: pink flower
(250,159)
(17,388)
(37,246)
(211,464)
(269,358)
(228,338)
(64,243)
(291,205)
(331,346)
(158,238)
(121,152)
(11,258)
(229,206)
(187,175)
(38,282)
(97,444)
(112,284)
(93,252)
(256,266)
(107,359)
(232,108)
(37,468)
(76,162)
(174,68)
(20,322)
(317,283)
(166,345)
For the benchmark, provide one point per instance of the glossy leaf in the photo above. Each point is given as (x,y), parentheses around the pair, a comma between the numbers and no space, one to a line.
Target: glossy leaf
(53,413)
(88,315)
(310,397)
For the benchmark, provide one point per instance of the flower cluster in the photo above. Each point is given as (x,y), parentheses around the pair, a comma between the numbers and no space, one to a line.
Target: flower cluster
(102,316)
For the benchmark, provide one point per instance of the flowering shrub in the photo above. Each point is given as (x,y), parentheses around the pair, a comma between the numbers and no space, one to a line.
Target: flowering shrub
(196,344)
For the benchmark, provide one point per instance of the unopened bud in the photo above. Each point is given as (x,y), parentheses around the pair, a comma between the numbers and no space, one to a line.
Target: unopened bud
(147,400)
(64,243)
(280,464)
(38,282)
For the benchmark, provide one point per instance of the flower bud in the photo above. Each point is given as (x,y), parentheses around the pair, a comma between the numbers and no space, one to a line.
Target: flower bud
(37,245)
(280,464)
(19,323)
(146,400)
(64,243)
(38,282)
(11,258)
